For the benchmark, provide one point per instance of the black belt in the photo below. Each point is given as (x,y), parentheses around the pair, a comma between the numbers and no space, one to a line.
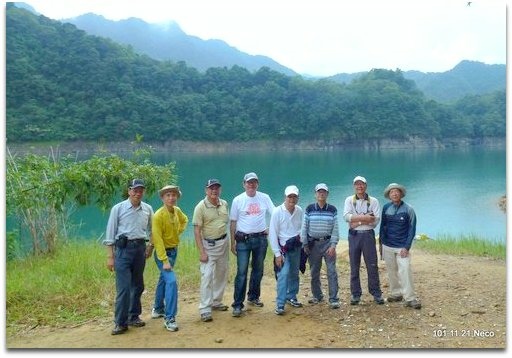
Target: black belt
(328,237)
(136,241)
(250,236)
(219,238)
(355,232)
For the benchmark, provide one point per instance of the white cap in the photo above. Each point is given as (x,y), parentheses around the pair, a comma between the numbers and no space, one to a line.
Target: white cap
(291,189)
(250,176)
(359,178)
(321,186)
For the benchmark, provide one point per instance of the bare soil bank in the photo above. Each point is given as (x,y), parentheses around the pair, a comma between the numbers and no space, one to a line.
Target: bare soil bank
(80,147)
(463,297)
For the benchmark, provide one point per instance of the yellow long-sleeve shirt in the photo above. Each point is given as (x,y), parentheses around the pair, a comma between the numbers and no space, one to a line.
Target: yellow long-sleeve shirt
(167,227)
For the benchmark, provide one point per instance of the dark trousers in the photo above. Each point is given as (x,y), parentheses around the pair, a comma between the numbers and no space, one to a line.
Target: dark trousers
(363,243)
(129,266)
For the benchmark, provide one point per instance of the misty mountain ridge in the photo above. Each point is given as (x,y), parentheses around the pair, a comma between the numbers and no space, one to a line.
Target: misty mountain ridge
(169,42)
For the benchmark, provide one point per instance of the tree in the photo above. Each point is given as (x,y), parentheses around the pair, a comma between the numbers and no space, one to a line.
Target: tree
(43,190)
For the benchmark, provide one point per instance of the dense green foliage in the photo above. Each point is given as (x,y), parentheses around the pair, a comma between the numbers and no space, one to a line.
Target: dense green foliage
(65,85)
(42,191)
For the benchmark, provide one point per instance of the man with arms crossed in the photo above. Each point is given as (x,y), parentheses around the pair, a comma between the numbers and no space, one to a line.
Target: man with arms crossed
(361,212)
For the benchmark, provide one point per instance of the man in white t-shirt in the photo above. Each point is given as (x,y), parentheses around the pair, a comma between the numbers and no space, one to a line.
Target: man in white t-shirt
(249,230)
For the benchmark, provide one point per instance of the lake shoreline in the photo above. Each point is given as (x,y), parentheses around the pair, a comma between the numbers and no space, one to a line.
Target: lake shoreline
(89,147)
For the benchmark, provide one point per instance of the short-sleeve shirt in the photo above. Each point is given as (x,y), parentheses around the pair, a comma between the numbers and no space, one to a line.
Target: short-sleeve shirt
(213,219)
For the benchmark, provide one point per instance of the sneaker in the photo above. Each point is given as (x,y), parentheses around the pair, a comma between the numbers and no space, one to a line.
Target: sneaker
(315,301)
(395,298)
(256,302)
(378,300)
(293,302)
(220,307)
(119,330)
(237,312)
(335,304)
(414,304)
(136,322)
(354,300)
(157,314)
(206,317)
(171,325)
(279,311)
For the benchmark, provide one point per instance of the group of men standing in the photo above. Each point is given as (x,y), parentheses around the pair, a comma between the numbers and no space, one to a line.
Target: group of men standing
(294,234)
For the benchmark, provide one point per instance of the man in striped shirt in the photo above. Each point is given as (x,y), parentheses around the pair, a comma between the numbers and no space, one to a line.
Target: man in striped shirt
(319,236)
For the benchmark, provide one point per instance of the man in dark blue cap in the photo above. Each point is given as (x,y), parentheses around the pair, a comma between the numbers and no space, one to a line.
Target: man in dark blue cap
(128,230)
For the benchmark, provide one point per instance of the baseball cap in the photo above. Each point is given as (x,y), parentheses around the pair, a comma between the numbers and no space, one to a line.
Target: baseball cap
(137,183)
(359,178)
(290,190)
(250,176)
(321,186)
(212,182)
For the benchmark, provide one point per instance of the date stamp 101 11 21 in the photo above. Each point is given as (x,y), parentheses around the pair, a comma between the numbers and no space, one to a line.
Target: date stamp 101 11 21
(462,333)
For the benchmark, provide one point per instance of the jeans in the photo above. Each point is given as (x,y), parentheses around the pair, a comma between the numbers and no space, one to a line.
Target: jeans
(166,294)
(129,266)
(257,248)
(317,253)
(288,277)
(363,243)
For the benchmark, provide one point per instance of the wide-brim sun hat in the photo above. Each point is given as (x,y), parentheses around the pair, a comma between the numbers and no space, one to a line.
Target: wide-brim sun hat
(169,188)
(394,186)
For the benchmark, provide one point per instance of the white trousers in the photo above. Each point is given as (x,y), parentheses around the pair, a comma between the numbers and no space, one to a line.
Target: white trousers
(399,273)
(214,275)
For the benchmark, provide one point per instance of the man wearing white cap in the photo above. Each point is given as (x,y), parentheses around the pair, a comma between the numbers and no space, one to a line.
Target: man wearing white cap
(397,230)
(248,227)
(319,236)
(284,238)
(361,212)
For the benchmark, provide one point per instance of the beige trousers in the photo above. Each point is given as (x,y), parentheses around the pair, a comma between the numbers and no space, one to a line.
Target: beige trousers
(399,273)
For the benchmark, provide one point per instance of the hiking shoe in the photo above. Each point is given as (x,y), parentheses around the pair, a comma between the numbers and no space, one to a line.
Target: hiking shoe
(293,302)
(237,312)
(256,302)
(354,300)
(119,330)
(335,304)
(279,311)
(414,304)
(171,325)
(315,301)
(378,300)
(157,314)
(220,307)
(136,322)
(206,317)
(395,298)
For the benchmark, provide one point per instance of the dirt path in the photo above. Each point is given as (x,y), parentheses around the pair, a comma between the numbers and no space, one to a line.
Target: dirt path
(464,306)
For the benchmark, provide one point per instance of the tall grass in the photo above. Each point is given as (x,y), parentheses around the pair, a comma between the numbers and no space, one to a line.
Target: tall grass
(464,245)
(73,286)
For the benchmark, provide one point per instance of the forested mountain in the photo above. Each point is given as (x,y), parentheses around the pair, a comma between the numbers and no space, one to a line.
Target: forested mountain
(467,78)
(63,84)
(171,43)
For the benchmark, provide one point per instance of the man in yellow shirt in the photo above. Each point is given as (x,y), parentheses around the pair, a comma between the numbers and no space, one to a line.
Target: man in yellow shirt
(169,223)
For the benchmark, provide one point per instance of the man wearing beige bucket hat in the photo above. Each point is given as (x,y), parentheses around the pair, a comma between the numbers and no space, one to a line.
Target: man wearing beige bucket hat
(397,230)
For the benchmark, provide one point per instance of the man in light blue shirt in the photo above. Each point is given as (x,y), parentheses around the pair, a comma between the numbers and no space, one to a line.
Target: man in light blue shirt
(128,230)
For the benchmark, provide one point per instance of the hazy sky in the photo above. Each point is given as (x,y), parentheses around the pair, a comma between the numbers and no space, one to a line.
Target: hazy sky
(325,37)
